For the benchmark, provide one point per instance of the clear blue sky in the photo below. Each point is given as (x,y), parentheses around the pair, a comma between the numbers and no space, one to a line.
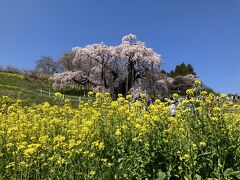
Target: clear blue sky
(205,33)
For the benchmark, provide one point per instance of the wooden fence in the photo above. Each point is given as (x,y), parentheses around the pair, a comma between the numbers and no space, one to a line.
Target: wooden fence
(64,96)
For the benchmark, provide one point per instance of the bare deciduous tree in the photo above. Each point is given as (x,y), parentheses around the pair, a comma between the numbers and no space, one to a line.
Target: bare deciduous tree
(47,65)
(66,61)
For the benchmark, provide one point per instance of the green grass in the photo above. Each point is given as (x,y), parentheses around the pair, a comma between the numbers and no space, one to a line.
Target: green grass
(23,87)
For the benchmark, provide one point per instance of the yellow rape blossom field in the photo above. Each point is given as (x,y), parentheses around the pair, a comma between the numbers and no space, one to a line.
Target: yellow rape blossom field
(122,139)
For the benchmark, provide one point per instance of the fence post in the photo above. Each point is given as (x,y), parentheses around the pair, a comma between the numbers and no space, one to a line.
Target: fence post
(41,91)
(63,96)
(80,98)
(49,92)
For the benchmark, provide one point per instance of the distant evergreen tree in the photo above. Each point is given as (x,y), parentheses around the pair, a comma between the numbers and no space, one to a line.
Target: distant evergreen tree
(163,71)
(209,90)
(182,70)
(190,69)
(171,73)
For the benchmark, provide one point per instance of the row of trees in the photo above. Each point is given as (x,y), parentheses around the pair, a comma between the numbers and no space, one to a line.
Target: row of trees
(124,68)
(48,65)
(10,69)
(128,66)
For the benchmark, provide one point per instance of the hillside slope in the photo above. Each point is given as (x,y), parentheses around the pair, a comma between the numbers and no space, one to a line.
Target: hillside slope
(22,87)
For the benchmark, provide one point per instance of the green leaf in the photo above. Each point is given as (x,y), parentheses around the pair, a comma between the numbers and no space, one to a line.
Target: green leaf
(161,175)
(227,172)
(235,173)
(238,176)
(187,177)
(198,177)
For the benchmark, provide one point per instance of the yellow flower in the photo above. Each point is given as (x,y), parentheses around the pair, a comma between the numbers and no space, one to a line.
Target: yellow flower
(203,144)
(190,92)
(10,165)
(120,95)
(199,109)
(43,139)
(109,164)
(121,99)
(197,82)
(98,95)
(143,96)
(204,93)
(194,146)
(90,93)
(29,152)
(58,94)
(92,154)
(214,118)
(23,164)
(138,104)
(129,97)
(135,139)
(114,104)
(101,146)
(157,101)
(185,157)
(223,95)
(92,173)
(4,97)
(118,132)
(58,139)
(146,145)
(175,95)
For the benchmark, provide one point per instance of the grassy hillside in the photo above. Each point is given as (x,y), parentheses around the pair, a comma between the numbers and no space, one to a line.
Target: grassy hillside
(22,87)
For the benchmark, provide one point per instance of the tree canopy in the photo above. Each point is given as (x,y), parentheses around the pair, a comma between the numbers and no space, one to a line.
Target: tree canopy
(182,70)
(116,68)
